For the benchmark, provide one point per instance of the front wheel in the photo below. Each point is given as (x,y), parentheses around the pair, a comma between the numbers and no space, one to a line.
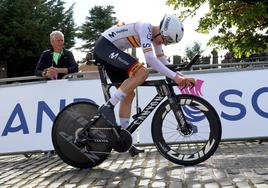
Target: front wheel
(197,145)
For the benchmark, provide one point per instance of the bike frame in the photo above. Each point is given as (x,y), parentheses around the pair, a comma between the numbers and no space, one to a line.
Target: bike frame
(164,87)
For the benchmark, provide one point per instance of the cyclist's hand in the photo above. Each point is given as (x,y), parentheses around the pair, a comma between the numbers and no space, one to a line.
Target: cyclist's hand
(185,81)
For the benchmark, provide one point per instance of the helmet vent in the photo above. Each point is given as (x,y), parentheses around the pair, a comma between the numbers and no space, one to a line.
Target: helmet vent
(166,24)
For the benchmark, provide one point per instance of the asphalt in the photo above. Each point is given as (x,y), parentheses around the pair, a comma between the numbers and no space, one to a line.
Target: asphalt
(235,164)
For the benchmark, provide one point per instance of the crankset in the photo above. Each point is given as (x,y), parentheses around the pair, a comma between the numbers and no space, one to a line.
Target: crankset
(121,140)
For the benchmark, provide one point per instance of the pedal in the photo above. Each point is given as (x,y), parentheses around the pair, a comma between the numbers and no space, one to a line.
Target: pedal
(133,151)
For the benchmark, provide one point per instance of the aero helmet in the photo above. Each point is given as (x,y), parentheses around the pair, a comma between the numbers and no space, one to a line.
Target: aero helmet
(171,29)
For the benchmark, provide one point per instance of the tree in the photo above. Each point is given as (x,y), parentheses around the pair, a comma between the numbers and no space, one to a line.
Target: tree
(242,24)
(100,18)
(25,29)
(192,51)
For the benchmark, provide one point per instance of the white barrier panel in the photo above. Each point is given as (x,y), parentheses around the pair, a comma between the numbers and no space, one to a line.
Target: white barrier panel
(27,112)
(240,98)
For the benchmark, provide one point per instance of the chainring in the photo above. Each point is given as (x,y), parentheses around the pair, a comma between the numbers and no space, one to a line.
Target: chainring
(121,140)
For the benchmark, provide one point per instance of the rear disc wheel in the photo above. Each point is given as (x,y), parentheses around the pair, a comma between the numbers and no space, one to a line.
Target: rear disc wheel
(68,123)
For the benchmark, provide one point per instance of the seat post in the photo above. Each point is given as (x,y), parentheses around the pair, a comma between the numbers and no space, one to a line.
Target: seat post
(104,83)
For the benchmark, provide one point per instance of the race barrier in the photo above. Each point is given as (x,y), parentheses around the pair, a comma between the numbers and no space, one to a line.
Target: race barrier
(28,109)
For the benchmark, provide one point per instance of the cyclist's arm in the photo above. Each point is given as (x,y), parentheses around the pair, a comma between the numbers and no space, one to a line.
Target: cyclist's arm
(161,68)
(158,65)
(161,56)
(145,33)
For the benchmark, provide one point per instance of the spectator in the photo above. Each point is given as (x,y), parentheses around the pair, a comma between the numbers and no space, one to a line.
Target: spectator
(88,62)
(57,62)
(87,67)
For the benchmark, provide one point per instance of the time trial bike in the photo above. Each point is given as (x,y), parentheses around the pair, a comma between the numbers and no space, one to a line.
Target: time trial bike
(185,128)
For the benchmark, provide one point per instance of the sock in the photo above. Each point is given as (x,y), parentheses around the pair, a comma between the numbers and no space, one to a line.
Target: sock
(118,96)
(124,122)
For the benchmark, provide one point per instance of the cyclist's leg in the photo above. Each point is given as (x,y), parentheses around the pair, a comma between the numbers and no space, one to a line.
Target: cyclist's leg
(119,76)
(126,88)
(115,59)
(131,84)
(124,113)
(125,109)
(125,104)
(135,80)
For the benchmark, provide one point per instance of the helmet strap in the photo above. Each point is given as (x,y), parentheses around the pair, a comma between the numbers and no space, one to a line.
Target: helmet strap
(156,36)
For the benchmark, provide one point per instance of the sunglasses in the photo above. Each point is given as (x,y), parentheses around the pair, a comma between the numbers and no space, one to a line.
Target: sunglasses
(166,39)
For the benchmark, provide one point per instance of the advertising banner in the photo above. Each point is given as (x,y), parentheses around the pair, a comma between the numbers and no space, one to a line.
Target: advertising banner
(240,99)
(28,110)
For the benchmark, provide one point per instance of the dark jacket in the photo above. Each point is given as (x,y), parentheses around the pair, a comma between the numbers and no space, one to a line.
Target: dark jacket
(66,61)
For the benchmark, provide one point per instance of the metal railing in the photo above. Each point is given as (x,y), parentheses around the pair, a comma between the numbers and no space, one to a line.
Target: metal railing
(195,69)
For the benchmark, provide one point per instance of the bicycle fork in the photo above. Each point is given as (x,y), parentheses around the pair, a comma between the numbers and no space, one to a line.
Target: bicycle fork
(177,110)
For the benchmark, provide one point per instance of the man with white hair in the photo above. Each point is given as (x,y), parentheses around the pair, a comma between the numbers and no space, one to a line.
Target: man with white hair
(56,62)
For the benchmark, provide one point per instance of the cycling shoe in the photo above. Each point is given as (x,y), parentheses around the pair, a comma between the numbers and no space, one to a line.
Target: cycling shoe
(133,151)
(107,112)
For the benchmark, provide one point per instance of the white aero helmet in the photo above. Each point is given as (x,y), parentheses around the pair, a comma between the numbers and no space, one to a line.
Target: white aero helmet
(171,29)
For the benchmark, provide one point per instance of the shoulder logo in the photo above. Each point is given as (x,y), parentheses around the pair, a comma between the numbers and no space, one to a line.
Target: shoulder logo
(112,34)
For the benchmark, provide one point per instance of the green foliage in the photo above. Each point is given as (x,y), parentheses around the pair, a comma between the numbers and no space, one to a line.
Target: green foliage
(192,51)
(25,29)
(100,18)
(242,24)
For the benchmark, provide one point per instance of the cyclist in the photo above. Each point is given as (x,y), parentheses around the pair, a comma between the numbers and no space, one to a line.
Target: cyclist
(122,67)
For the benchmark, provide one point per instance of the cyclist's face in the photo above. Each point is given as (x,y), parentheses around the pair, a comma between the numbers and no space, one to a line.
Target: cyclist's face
(160,39)
(167,40)
(57,43)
